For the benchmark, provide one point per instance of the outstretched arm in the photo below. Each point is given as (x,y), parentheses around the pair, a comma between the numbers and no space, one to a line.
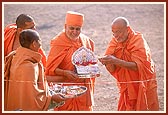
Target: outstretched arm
(112,60)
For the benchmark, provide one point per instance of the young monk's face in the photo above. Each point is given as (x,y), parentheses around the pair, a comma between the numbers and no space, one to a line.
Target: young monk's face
(30,25)
(72,31)
(36,45)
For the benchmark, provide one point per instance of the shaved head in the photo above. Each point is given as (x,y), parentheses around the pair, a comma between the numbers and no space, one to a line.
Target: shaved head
(22,19)
(119,28)
(120,21)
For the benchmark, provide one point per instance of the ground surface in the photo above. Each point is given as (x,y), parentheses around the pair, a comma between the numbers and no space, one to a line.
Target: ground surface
(146,18)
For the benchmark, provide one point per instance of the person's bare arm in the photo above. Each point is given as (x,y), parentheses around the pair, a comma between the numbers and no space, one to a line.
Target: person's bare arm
(125,64)
(110,67)
(66,73)
(55,78)
(118,62)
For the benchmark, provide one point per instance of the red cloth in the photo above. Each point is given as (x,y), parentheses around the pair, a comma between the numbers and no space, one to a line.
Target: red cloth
(9,37)
(59,56)
(135,49)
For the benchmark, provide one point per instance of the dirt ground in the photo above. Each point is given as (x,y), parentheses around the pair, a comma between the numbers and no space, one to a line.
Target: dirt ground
(146,18)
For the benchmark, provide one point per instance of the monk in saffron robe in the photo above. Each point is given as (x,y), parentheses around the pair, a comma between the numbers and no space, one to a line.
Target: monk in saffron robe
(12,31)
(59,61)
(11,39)
(28,88)
(128,59)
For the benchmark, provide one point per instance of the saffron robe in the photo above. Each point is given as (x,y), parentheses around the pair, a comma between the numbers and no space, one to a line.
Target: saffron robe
(9,38)
(59,56)
(28,89)
(140,85)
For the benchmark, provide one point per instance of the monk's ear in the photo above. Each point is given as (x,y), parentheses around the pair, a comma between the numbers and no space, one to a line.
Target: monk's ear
(34,43)
(65,26)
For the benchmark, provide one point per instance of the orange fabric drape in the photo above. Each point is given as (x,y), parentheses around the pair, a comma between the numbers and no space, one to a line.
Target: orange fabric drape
(9,37)
(135,49)
(60,57)
(7,63)
(27,87)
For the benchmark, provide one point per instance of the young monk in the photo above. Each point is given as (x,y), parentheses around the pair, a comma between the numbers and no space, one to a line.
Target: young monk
(12,31)
(11,38)
(28,89)
(128,59)
(59,61)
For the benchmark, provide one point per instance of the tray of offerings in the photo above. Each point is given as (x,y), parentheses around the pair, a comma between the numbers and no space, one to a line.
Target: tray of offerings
(70,91)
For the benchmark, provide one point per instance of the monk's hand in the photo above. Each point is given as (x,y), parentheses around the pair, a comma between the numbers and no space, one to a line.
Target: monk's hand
(70,74)
(107,59)
(58,98)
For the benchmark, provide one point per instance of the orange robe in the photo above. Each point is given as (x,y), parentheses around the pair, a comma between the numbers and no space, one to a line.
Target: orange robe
(135,49)
(59,56)
(9,37)
(28,89)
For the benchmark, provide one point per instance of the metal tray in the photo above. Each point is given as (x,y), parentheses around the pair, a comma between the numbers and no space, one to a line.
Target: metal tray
(68,91)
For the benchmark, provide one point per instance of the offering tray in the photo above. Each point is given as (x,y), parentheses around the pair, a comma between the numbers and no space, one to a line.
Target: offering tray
(71,91)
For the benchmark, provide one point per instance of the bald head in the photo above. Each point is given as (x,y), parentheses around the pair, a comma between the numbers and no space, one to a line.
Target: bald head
(120,22)
(120,29)
(27,37)
(22,19)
